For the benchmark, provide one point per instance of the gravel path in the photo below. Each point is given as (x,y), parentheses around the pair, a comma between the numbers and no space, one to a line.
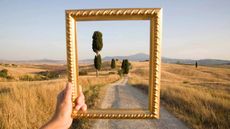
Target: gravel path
(120,95)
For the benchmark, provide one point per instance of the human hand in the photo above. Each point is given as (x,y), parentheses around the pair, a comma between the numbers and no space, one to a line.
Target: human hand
(62,117)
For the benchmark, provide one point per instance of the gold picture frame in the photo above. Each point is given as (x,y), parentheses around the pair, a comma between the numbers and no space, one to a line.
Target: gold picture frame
(154,15)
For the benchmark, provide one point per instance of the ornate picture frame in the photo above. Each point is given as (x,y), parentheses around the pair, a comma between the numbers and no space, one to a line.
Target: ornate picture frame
(154,15)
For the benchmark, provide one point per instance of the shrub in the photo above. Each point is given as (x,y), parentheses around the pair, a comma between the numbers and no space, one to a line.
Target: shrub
(14,65)
(111,72)
(26,78)
(120,72)
(4,73)
(39,77)
(52,75)
(83,72)
(10,78)
(185,82)
(45,75)
(6,65)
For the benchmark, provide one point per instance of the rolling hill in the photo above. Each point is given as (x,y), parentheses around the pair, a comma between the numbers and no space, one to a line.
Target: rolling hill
(134,57)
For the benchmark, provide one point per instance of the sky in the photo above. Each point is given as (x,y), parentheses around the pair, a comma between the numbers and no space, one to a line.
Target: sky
(196,29)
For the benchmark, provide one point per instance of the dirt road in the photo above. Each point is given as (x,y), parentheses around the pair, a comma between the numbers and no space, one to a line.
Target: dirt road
(121,95)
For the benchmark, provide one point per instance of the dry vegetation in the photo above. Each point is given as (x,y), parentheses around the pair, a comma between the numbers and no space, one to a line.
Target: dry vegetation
(29,104)
(200,97)
(32,72)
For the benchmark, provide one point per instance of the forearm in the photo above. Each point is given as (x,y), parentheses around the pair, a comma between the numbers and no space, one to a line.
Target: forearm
(52,124)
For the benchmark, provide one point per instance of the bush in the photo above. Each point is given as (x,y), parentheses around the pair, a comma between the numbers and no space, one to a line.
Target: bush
(14,65)
(6,65)
(26,78)
(45,75)
(39,77)
(10,78)
(185,82)
(112,73)
(4,73)
(120,72)
(83,72)
(52,75)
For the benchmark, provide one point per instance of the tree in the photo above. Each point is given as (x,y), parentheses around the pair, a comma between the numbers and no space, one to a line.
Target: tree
(97,63)
(113,64)
(97,46)
(97,42)
(125,66)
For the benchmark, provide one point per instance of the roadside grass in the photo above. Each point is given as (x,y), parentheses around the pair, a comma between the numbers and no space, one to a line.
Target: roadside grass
(199,97)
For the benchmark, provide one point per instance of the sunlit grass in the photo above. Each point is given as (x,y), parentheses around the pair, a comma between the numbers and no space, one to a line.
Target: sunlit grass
(31,104)
(200,97)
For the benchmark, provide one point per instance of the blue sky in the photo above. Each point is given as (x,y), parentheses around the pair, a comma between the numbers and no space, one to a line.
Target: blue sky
(191,29)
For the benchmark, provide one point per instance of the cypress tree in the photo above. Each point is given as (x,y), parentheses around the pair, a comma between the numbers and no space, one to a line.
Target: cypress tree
(125,66)
(97,62)
(97,46)
(113,64)
(97,42)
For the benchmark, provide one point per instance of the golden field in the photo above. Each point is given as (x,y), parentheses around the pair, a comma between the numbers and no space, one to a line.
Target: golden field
(29,104)
(200,97)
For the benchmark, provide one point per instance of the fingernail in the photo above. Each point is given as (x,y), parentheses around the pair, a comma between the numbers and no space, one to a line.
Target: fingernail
(84,108)
(77,108)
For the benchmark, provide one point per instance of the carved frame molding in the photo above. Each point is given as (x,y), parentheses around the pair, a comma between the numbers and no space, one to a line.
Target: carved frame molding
(154,15)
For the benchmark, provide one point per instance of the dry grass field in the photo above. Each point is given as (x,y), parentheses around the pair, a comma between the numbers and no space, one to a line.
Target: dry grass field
(29,104)
(200,97)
